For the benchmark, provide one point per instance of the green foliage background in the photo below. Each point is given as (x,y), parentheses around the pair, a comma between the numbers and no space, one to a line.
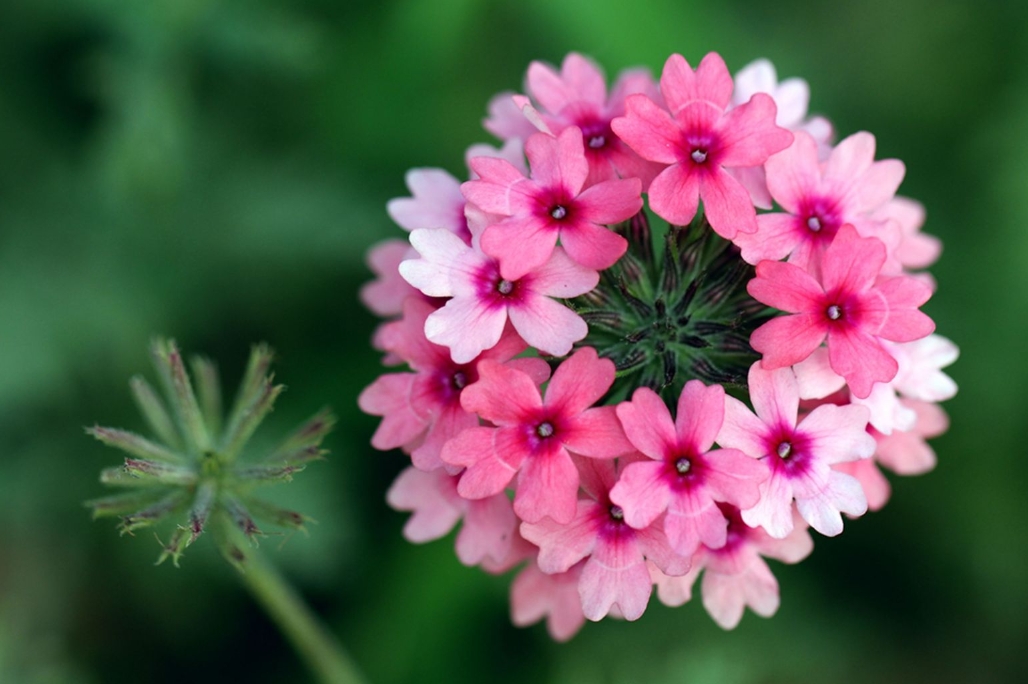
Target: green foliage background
(216,170)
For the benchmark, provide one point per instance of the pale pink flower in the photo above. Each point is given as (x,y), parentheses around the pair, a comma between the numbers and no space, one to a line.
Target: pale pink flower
(577,96)
(489,524)
(436,203)
(791,96)
(735,575)
(916,250)
(876,488)
(385,294)
(699,141)
(551,203)
(534,436)
(683,475)
(535,595)
(421,410)
(800,453)
(907,452)
(506,119)
(482,300)
(819,198)
(919,376)
(850,308)
(615,576)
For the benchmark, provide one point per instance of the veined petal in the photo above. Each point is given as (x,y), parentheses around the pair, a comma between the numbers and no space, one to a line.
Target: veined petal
(579,382)
(861,359)
(727,204)
(787,340)
(596,433)
(547,487)
(794,173)
(502,395)
(749,135)
(701,411)
(467,326)
(785,286)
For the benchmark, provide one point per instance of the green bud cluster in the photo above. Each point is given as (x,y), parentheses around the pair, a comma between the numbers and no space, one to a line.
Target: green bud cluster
(191,469)
(668,316)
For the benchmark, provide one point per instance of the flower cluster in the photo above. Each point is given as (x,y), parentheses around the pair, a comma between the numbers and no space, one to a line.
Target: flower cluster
(615,405)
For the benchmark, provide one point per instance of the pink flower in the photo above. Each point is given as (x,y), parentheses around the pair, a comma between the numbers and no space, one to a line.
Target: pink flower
(848,308)
(535,595)
(551,204)
(535,436)
(820,198)
(683,476)
(482,300)
(791,99)
(489,524)
(422,410)
(577,97)
(735,575)
(800,454)
(699,141)
(916,250)
(436,203)
(615,576)
(384,296)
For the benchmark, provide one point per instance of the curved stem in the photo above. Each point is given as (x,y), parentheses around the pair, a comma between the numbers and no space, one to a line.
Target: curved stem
(323,654)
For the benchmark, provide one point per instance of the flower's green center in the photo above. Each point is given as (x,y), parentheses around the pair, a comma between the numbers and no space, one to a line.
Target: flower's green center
(664,320)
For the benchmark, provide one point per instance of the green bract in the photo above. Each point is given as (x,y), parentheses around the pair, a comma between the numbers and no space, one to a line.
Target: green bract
(191,469)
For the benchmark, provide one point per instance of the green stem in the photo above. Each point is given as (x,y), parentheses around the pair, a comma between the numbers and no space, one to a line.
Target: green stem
(323,654)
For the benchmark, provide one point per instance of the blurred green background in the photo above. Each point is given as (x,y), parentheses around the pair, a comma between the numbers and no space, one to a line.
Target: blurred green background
(215,171)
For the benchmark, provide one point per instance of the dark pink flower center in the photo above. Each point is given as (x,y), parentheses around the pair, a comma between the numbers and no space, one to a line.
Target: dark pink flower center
(834,312)
(617,514)
(544,430)
(683,465)
(451,381)
(559,212)
(699,155)
(789,451)
(505,287)
(596,132)
(819,218)
(685,470)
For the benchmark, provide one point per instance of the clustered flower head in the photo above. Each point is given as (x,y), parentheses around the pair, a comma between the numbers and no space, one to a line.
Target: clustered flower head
(613,404)
(192,469)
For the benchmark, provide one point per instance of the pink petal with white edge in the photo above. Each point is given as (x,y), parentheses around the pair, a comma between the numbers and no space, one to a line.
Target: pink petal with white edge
(675,195)
(548,326)
(648,129)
